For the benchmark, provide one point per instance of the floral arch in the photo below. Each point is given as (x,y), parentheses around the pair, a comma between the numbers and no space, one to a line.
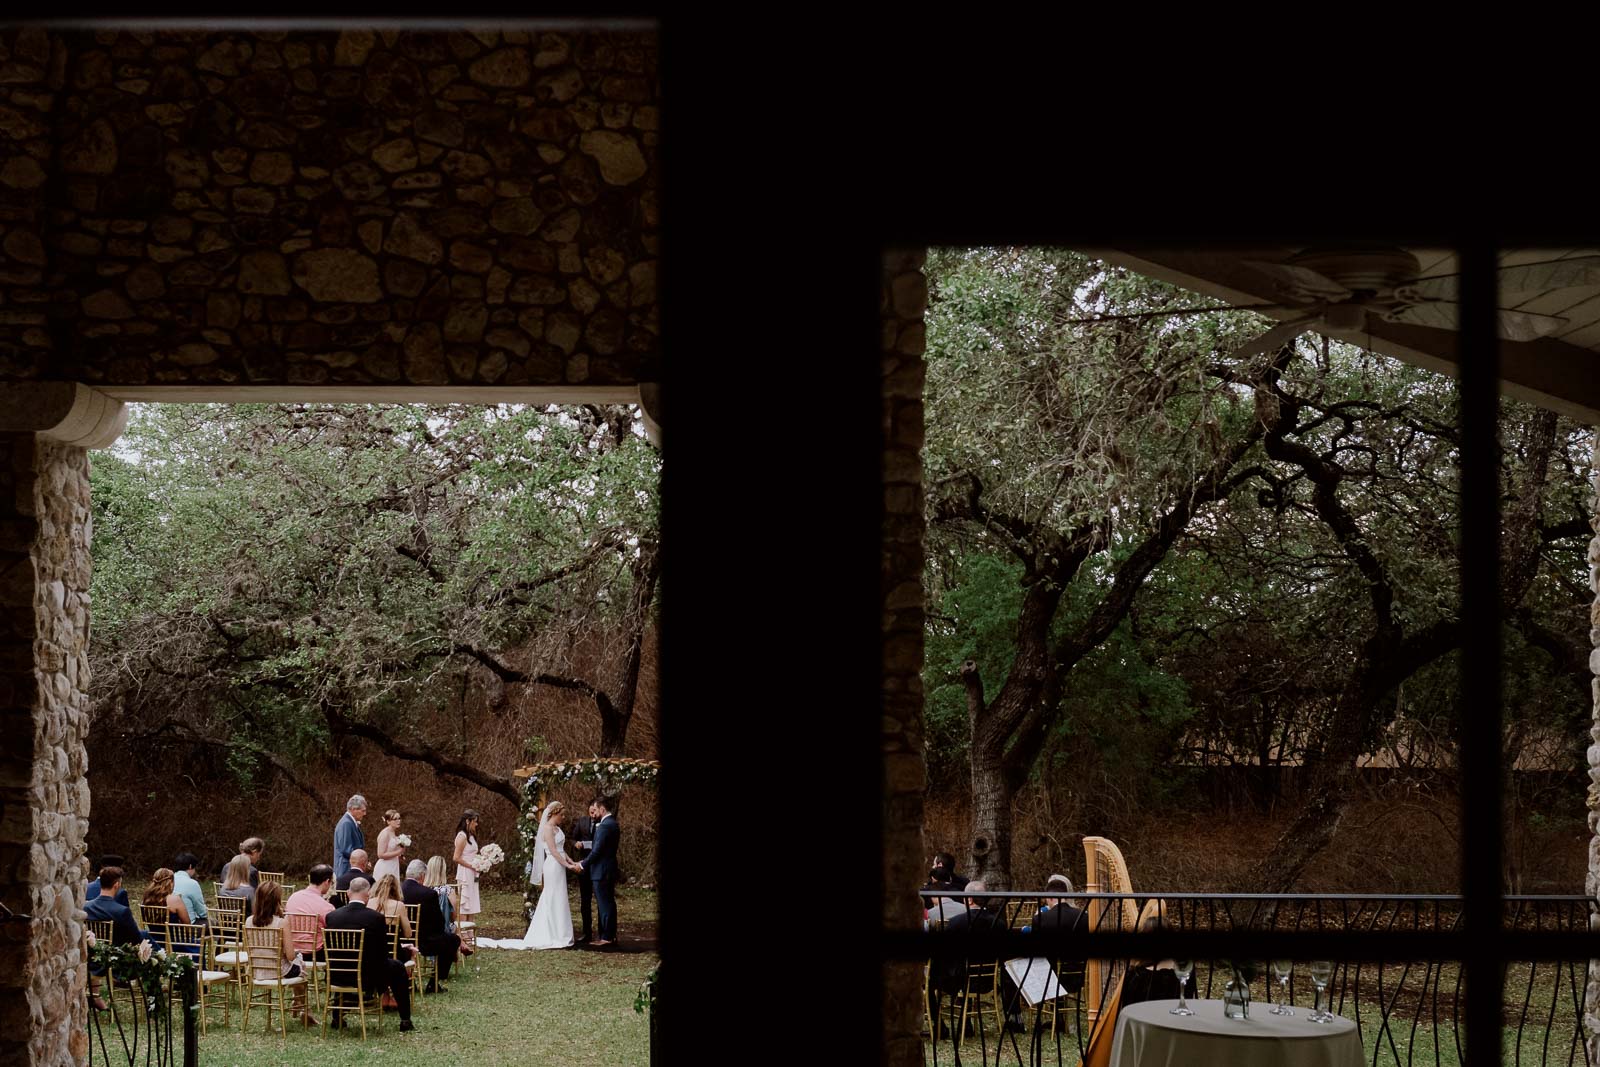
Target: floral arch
(609,774)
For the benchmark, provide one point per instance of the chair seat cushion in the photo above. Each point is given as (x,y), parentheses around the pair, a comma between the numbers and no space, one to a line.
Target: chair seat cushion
(214,976)
(231,958)
(297,980)
(468,925)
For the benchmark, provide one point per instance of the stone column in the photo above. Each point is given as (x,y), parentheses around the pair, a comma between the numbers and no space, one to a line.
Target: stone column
(1591,999)
(905,295)
(44,801)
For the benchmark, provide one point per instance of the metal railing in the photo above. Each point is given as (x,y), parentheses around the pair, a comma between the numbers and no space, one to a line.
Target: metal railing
(139,1026)
(1408,1010)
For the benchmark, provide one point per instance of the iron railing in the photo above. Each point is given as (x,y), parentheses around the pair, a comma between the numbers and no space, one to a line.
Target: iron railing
(1408,1010)
(139,1027)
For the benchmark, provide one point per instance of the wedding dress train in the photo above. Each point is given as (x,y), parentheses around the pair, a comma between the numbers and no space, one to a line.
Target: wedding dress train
(552,919)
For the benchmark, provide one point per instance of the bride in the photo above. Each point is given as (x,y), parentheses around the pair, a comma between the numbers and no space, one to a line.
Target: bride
(552,919)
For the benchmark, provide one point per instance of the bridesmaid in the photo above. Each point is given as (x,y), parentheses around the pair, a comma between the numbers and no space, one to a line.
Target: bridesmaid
(466,849)
(389,848)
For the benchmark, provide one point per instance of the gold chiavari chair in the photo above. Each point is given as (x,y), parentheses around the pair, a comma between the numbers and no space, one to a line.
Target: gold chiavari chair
(339,897)
(265,975)
(303,932)
(195,941)
(424,963)
(466,928)
(397,948)
(227,923)
(344,950)
(104,930)
(154,917)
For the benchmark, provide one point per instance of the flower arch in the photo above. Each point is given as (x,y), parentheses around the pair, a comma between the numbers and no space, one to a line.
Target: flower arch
(610,774)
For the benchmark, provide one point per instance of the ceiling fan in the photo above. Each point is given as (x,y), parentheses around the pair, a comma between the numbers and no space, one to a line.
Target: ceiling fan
(1337,289)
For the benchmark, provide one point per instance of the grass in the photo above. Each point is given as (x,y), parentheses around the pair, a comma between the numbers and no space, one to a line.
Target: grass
(512,1008)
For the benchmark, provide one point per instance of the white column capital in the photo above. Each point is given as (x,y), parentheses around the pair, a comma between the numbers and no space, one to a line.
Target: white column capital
(69,412)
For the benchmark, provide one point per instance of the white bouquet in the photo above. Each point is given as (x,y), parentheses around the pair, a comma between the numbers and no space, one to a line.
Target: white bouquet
(405,840)
(487,857)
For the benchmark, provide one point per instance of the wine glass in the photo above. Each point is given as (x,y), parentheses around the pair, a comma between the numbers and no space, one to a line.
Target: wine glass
(1280,971)
(1321,971)
(1182,968)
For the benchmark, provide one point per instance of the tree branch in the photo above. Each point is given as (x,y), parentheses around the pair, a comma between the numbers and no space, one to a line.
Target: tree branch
(420,752)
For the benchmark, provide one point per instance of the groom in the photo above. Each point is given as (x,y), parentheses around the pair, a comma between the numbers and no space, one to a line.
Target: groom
(601,868)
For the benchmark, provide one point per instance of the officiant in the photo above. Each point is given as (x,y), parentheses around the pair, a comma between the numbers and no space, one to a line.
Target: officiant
(583,845)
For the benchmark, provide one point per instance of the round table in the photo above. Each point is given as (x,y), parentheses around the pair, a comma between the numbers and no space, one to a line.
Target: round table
(1149,1035)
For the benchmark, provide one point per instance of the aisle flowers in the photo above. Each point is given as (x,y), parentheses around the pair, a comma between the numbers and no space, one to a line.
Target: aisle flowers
(142,961)
(488,857)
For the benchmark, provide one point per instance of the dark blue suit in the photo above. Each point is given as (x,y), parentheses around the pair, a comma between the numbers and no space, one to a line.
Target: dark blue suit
(601,869)
(93,890)
(124,930)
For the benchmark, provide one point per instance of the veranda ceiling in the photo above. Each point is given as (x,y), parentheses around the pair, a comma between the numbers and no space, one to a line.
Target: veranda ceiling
(1560,371)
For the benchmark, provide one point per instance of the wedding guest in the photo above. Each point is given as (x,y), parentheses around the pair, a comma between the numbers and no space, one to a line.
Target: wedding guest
(264,916)
(1057,915)
(92,890)
(160,893)
(124,930)
(1153,979)
(379,971)
(360,867)
(949,972)
(946,862)
(347,837)
(251,847)
(236,879)
(187,889)
(432,937)
(387,900)
(313,900)
(466,849)
(438,880)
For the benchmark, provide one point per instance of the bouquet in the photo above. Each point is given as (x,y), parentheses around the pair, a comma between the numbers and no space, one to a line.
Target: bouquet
(405,840)
(490,855)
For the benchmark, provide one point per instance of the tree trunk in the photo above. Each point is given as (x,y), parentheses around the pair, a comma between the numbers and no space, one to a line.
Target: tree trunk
(616,715)
(991,825)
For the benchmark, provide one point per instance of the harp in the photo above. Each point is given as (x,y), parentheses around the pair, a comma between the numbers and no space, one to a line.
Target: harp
(1105,871)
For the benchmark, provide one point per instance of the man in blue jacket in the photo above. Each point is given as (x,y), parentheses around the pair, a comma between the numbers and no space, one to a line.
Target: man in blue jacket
(601,868)
(93,889)
(124,930)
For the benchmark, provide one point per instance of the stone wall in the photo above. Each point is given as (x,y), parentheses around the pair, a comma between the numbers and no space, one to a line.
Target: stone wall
(44,801)
(905,295)
(307,208)
(1591,1014)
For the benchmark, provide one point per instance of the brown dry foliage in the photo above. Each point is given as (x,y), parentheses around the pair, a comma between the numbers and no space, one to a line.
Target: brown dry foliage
(1395,839)
(150,805)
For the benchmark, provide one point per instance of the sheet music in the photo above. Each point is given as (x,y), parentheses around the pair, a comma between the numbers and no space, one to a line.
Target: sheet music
(1036,979)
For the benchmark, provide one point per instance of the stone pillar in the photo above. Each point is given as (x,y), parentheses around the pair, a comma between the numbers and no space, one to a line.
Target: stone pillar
(1591,999)
(44,800)
(905,295)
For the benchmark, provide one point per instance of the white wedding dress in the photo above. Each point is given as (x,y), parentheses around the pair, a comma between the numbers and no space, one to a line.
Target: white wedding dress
(552,919)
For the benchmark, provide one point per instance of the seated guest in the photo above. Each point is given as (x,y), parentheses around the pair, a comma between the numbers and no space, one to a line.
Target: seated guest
(1056,915)
(159,894)
(946,862)
(110,859)
(250,847)
(236,879)
(387,900)
(950,969)
(439,881)
(124,930)
(379,970)
(1152,979)
(312,900)
(432,938)
(188,890)
(360,867)
(264,916)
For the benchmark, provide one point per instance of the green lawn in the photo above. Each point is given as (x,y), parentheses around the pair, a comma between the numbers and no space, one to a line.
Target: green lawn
(503,1008)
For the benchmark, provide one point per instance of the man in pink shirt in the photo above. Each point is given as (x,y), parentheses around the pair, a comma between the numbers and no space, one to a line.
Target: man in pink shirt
(312,900)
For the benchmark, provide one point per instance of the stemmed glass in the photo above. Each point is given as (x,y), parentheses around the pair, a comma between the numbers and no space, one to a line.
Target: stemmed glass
(1182,968)
(1280,971)
(1321,971)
